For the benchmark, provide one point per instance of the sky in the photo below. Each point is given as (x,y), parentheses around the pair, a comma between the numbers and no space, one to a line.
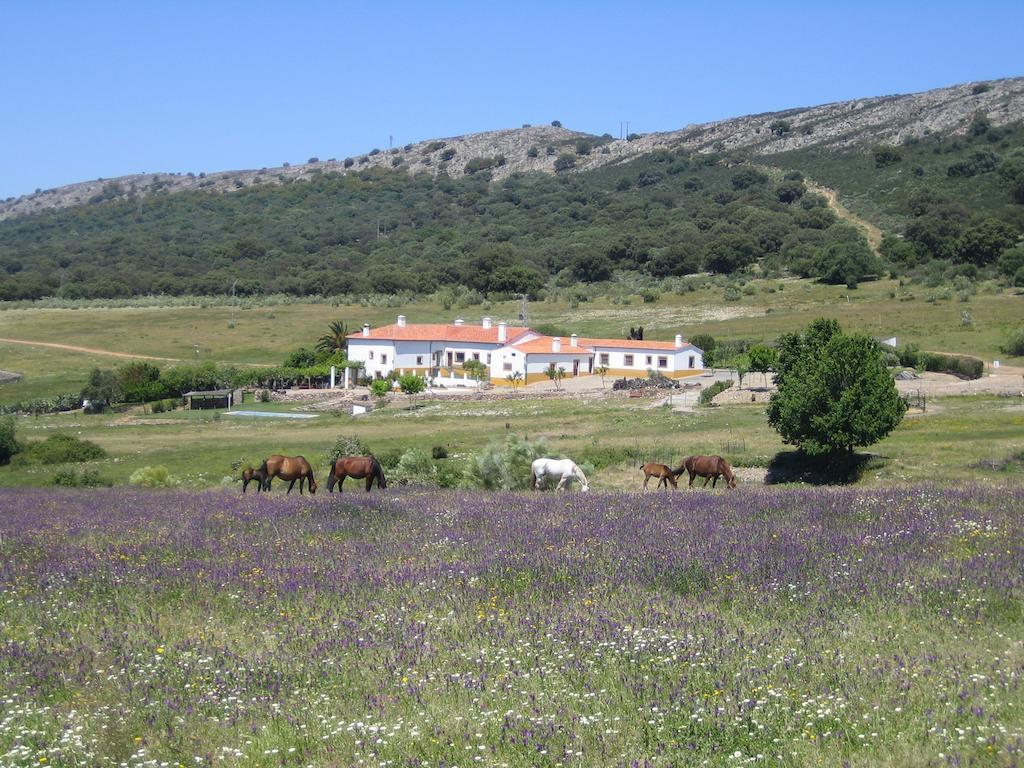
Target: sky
(99,89)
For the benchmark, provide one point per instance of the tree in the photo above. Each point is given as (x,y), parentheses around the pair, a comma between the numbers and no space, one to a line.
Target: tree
(8,443)
(762,359)
(834,391)
(886,156)
(565,161)
(335,340)
(478,371)
(515,379)
(602,371)
(411,385)
(102,389)
(556,374)
(983,242)
(1011,171)
(380,388)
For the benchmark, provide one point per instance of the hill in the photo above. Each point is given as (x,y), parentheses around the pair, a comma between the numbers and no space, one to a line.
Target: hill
(512,211)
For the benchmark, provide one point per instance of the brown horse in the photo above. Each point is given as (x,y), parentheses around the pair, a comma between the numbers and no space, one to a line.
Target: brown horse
(288,468)
(249,474)
(663,473)
(357,467)
(708,467)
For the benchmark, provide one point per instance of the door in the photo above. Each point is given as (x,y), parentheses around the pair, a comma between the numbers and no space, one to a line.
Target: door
(450,360)
(575,367)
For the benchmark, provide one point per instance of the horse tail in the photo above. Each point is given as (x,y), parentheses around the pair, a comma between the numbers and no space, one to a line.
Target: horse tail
(533,479)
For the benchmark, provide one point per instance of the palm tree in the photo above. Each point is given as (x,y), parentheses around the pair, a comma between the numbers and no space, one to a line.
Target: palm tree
(335,339)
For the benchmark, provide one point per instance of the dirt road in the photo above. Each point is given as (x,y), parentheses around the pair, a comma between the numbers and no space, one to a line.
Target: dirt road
(89,350)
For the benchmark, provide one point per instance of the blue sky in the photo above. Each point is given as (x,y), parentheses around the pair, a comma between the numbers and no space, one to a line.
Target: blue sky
(104,89)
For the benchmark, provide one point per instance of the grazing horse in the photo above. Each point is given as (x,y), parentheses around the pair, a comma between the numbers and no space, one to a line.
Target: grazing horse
(357,467)
(564,469)
(288,468)
(664,474)
(708,467)
(249,474)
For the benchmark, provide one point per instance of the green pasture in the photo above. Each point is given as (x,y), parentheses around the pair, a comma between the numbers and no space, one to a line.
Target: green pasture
(610,434)
(265,335)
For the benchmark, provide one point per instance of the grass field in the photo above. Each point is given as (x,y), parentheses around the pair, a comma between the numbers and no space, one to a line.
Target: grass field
(202,448)
(267,335)
(789,628)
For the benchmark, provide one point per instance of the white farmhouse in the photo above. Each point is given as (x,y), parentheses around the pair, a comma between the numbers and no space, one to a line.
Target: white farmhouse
(440,350)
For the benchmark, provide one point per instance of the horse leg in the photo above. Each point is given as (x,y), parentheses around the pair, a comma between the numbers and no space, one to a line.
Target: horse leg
(341,482)
(692,476)
(563,482)
(302,483)
(706,479)
(290,485)
(646,478)
(369,482)
(714,481)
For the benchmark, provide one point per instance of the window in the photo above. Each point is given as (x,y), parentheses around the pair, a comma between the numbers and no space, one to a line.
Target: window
(419,359)
(507,365)
(693,361)
(383,359)
(476,355)
(650,361)
(605,358)
(663,362)
(488,358)
(371,354)
(627,360)
(460,357)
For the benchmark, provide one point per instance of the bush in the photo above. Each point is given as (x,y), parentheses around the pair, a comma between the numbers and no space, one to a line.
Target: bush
(503,465)
(380,387)
(62,449)
(886,156)
(707,395)
(89,478)
(1015,343)
(415,466)
(565,162)
(153,477)
(346,445)
(439,452)
(964,366)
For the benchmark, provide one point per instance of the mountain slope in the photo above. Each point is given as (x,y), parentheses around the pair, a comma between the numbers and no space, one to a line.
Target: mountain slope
(879,120)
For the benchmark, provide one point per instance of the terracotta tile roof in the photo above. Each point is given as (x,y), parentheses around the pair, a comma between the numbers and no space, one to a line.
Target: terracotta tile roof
(633,344)
(542,345)
(440,332)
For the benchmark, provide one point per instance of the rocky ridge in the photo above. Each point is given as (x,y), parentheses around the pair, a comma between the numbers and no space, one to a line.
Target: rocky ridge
(879,120)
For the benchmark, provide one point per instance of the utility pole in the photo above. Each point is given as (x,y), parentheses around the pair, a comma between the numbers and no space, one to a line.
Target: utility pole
(624,129)
(522,308)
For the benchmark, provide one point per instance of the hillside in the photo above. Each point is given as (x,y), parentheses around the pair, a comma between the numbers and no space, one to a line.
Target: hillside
(863,122)
(542,208)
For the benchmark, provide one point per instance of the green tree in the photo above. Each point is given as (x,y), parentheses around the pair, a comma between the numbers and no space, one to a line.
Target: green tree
(411,385)
(102,389)
(762,360)
(1011,261)
(982,243)
(556,374)
(602,371)
(477,371)
(565,161)
(515,380)
(886,156)
(380,388)
(8,442)
(834,391)
(1011,171)
(336,338)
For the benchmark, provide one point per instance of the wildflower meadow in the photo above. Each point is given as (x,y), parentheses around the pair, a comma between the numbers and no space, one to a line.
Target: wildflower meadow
(835,627)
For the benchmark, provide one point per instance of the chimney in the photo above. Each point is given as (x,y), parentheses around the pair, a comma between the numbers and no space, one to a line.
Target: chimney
(573,340)
(459,321)
(487,322)
(366,329)
(556,343)
(679,340)
(502,332)
(401,321)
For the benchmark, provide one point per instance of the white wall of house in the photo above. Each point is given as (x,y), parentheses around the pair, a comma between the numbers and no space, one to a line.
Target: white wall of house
(376,355)
(640,360)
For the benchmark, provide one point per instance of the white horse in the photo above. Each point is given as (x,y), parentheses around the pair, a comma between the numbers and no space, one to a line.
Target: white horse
(564,469)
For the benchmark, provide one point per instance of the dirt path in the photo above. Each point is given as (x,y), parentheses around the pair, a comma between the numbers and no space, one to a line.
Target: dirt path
(88,350)
(874,234)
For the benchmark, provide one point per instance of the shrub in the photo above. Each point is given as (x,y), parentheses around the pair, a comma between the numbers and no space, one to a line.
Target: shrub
(503,464)
(564,162)
(886,156)
(346,445)
(61,449)
(439,452)
(414,466)
(153,477)
(89,478)
(1015,343)
(380,387)
(964,366)
(707,395)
